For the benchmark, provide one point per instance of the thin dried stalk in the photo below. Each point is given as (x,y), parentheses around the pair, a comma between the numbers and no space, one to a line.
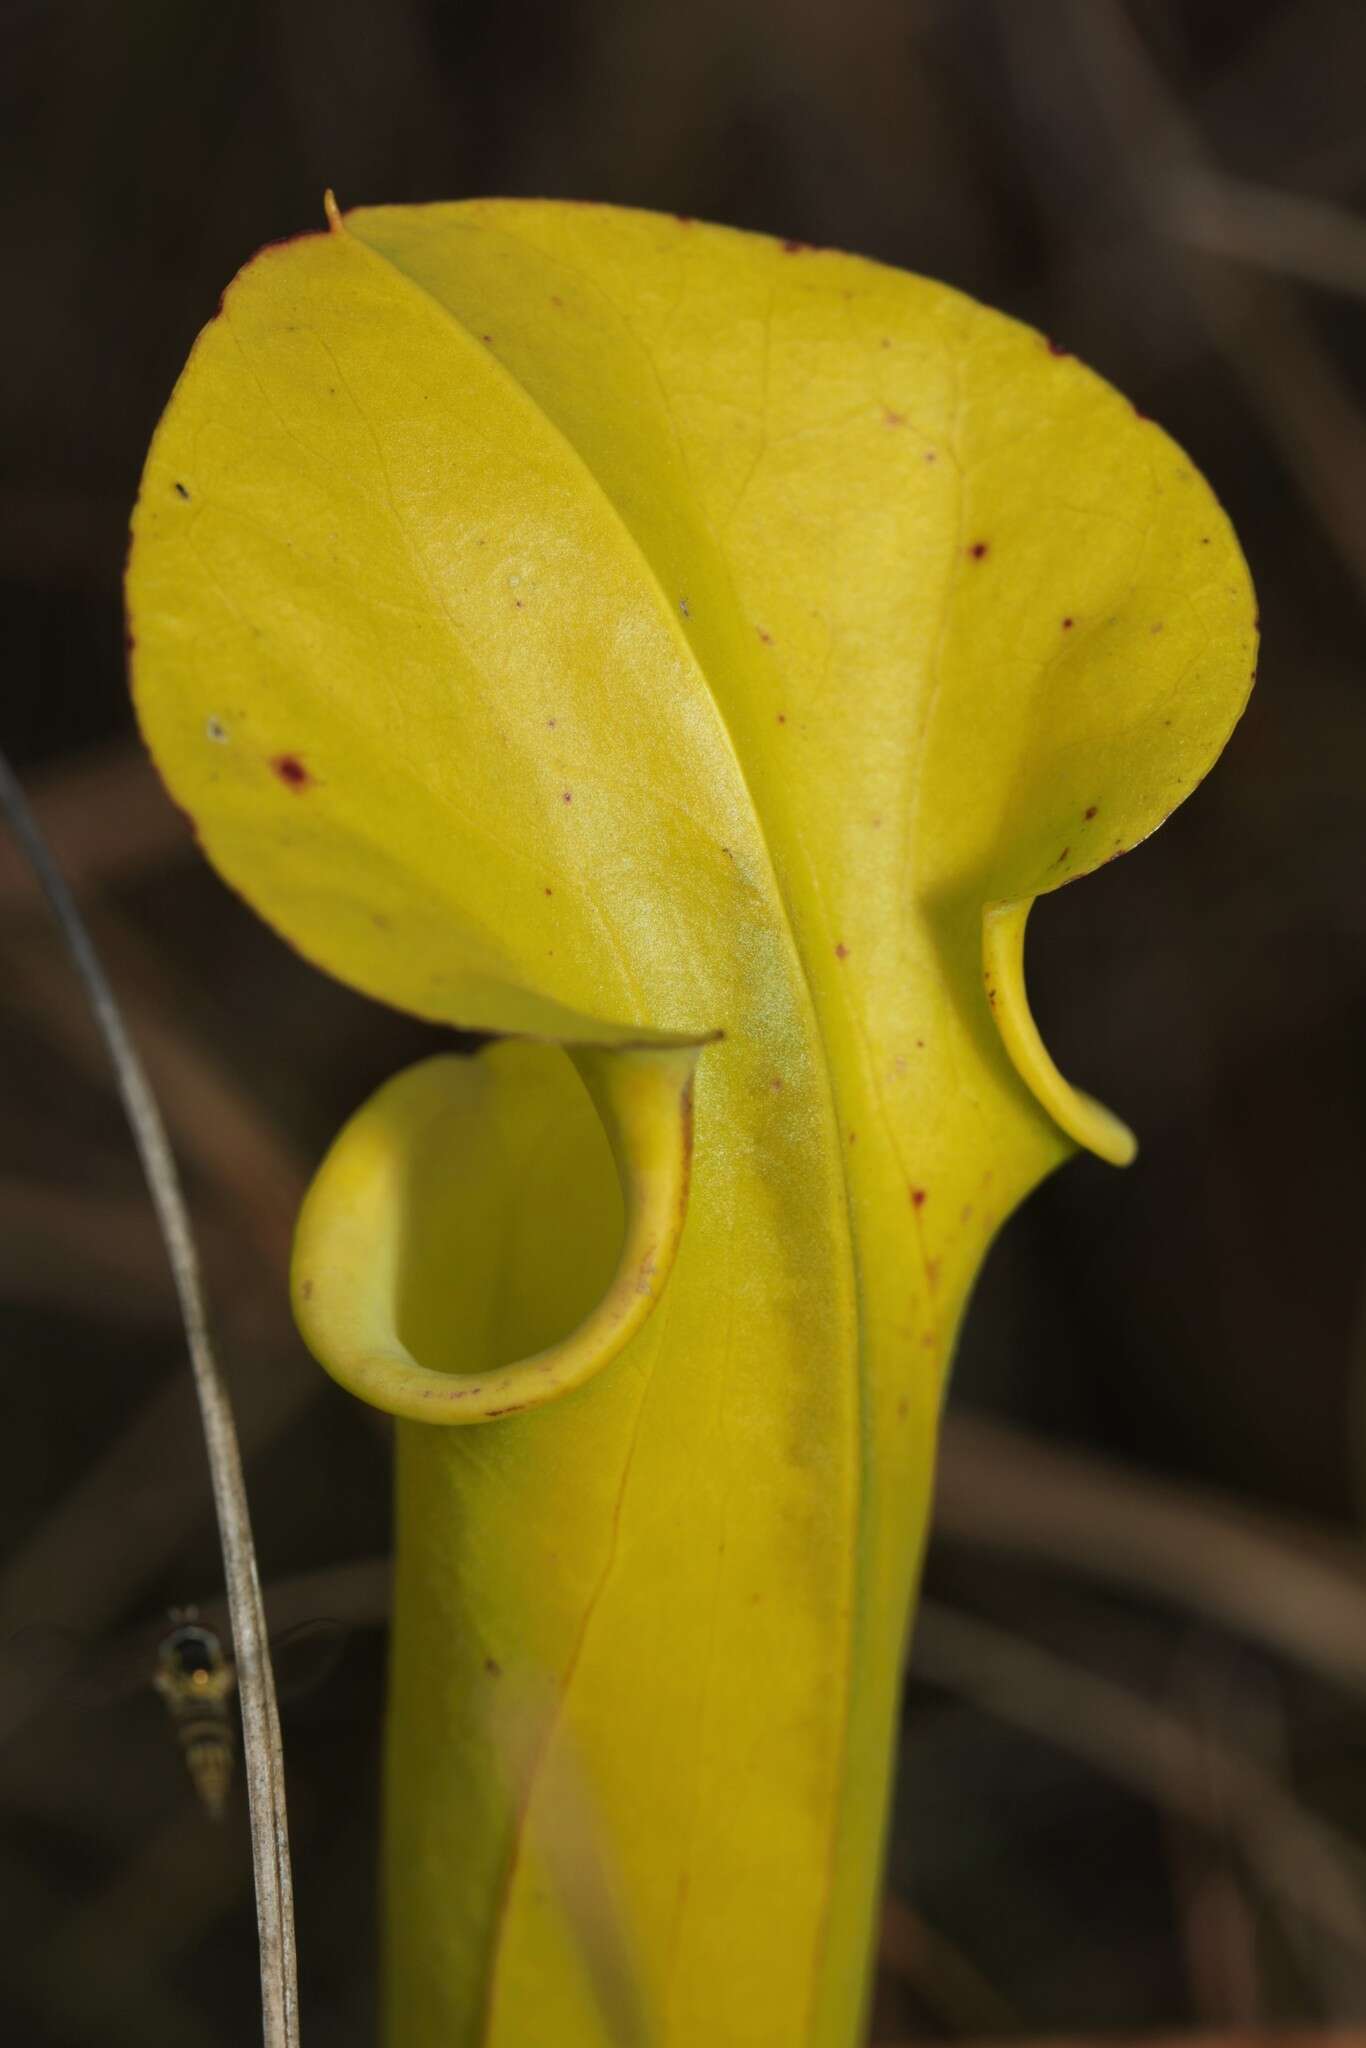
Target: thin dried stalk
(941,1976)
(263,1756)
(1308,409)
(1302,1860)
(1286,233)
(107,820)
(1288,1586)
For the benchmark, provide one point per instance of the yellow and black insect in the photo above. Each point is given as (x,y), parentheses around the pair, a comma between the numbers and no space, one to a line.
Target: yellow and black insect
(49,1668)
(195,1677)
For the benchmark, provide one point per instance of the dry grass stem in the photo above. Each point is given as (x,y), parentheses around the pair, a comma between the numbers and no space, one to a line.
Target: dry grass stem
(263,1757)
(1289,1589)
(1301,1861)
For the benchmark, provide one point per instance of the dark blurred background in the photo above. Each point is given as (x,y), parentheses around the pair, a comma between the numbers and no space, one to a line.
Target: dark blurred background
(1133,1796)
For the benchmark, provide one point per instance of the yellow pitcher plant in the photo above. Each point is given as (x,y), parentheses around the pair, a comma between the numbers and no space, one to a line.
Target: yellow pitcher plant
(684,656)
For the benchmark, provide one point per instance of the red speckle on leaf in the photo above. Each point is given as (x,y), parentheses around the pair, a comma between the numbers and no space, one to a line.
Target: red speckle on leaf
(488,338)
(782,718)
(306,1290)
(1055,348)
(795,248)
(550,722)
(931,455)
(1062,856)
(767,638)
(853,1137)
(776,1084)
(567,796)
(556,300)
(291,771)
(550,892)
(920,1045)
(918,1197)
(932,1273)
(1204,540)
(1068,624)
(1139,413)
(1090,812)
(893,419)
(685,220)
(979,548)
(493,1667)
(841,951)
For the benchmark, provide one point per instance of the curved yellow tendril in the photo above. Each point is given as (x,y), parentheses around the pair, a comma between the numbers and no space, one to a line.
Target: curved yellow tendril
(1095,1128)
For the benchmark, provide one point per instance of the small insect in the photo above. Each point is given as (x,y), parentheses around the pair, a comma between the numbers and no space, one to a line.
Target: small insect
(195,1677)
(47,1668)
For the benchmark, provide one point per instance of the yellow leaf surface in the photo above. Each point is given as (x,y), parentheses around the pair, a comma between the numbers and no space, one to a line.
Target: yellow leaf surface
(613,631)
